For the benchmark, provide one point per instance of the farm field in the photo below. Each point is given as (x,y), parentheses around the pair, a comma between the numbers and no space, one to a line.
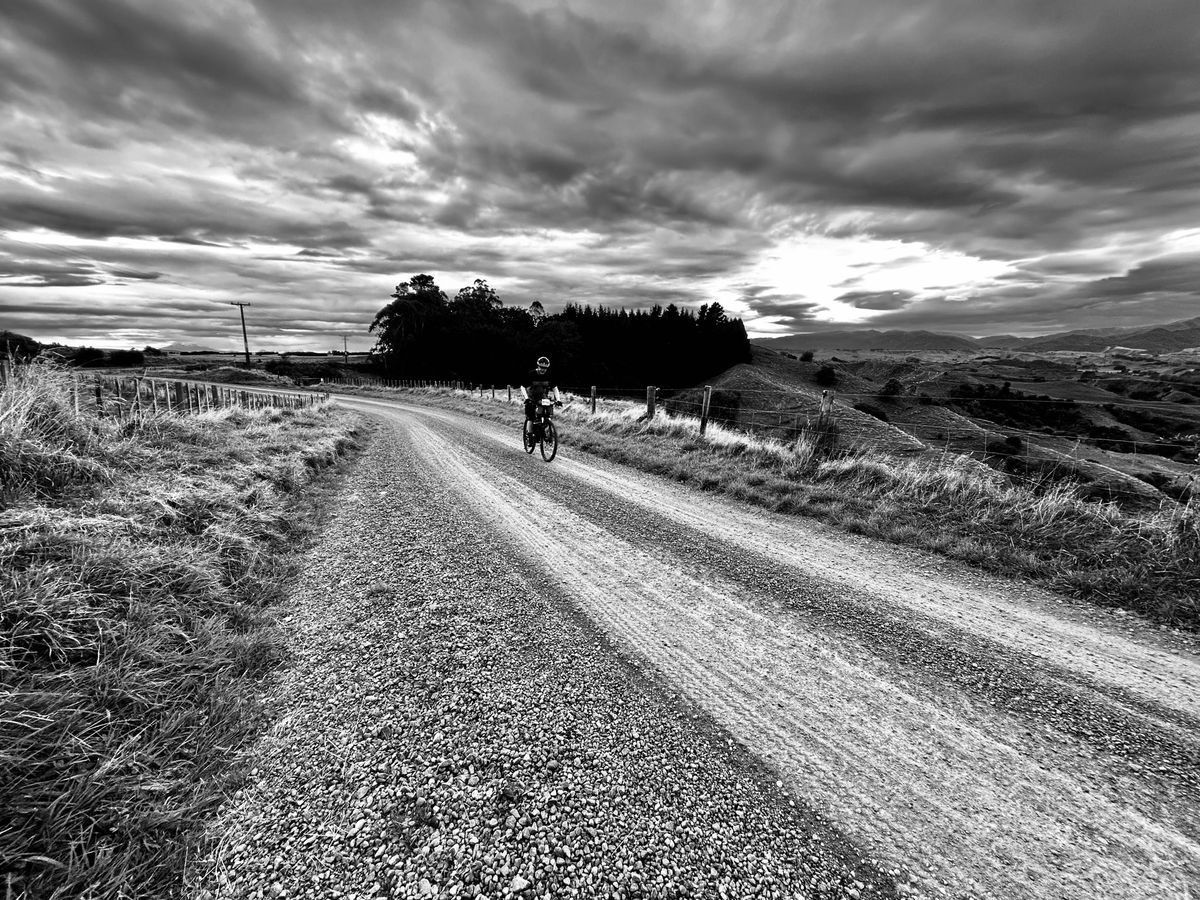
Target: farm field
(1131,435)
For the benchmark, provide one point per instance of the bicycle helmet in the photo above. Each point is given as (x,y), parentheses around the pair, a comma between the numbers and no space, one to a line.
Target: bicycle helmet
(543,362)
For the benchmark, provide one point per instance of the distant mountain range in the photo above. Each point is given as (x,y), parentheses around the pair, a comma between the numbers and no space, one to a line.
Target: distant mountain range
(1153,338)
(181,347)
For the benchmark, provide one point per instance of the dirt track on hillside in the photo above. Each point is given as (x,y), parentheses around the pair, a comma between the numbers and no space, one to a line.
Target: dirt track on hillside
(983,736)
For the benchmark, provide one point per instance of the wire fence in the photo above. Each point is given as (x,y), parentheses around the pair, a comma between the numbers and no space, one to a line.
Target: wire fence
(137,396)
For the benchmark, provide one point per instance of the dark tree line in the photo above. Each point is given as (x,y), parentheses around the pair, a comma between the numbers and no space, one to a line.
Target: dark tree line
(474,337)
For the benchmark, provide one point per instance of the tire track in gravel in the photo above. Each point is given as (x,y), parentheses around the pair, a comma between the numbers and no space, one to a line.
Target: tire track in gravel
(902,770)
(1152,741)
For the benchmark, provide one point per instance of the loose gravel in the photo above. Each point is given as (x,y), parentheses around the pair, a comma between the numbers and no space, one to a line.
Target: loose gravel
(452,726)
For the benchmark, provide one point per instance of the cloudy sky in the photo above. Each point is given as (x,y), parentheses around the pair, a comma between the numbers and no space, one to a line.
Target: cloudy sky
(973,166)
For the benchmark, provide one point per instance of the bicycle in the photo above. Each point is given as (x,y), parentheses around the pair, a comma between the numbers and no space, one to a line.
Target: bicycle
(540,431)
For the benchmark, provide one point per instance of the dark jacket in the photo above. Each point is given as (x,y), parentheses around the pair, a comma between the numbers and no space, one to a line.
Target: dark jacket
(539,384)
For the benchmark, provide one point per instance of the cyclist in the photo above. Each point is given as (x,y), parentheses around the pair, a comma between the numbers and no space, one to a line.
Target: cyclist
(539,388)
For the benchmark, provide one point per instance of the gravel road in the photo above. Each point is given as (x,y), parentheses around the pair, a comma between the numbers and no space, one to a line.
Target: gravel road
(520,679)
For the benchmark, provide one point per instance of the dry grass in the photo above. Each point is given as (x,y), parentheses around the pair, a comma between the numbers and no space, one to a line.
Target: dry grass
(1147,562)
(139,563)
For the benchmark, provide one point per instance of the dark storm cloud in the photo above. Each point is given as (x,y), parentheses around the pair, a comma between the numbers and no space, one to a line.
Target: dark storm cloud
(1156,290)
(788,313)
(136,275)
(615,152)
(60,280)
(208,70)
(1177,274)
(877,299)
(184,213)
(998,130)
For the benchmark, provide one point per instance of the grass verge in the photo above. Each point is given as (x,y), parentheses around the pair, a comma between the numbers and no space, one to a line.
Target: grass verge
(1145,562)
(139,562)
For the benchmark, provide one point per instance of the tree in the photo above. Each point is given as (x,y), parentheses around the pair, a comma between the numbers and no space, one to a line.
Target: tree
(477,302)
(418,306)
(826,376)
(537,312)
(711,315)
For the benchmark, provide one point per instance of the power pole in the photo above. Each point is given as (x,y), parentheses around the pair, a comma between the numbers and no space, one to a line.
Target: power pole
(345,350)
(242,309)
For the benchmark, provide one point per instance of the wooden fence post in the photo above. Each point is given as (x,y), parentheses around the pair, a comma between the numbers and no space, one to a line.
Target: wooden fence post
(827,432)
(593,399)
(510,393)
(99,399)
(704,406)
(75,391)
(651,397)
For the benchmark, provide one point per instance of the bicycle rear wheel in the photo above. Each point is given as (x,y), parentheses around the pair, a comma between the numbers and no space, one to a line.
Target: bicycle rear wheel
(527,438)
(549,441)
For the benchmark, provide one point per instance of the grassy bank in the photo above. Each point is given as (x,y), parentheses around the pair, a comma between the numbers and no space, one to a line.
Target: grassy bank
(1146,562)
(139,562)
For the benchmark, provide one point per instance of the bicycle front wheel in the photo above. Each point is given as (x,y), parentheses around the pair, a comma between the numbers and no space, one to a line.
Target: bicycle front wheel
(527,438)
(549,441)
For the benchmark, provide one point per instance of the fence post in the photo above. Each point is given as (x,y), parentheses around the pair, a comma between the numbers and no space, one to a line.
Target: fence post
(704,405)
(651,396)
(75,391)
(510,393)
(593,399)
(826,427)
(99,399)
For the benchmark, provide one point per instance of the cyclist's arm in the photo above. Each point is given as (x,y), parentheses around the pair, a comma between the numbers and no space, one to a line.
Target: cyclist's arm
(524,393)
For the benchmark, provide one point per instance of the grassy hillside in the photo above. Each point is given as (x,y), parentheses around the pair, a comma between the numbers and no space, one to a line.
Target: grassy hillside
(140,561)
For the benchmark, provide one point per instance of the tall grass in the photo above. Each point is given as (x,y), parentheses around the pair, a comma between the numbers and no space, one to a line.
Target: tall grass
(1148,562)
(138,565)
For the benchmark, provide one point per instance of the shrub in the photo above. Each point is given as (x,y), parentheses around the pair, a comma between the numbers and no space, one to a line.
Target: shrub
(893,388)
(826,376)
(806,356)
